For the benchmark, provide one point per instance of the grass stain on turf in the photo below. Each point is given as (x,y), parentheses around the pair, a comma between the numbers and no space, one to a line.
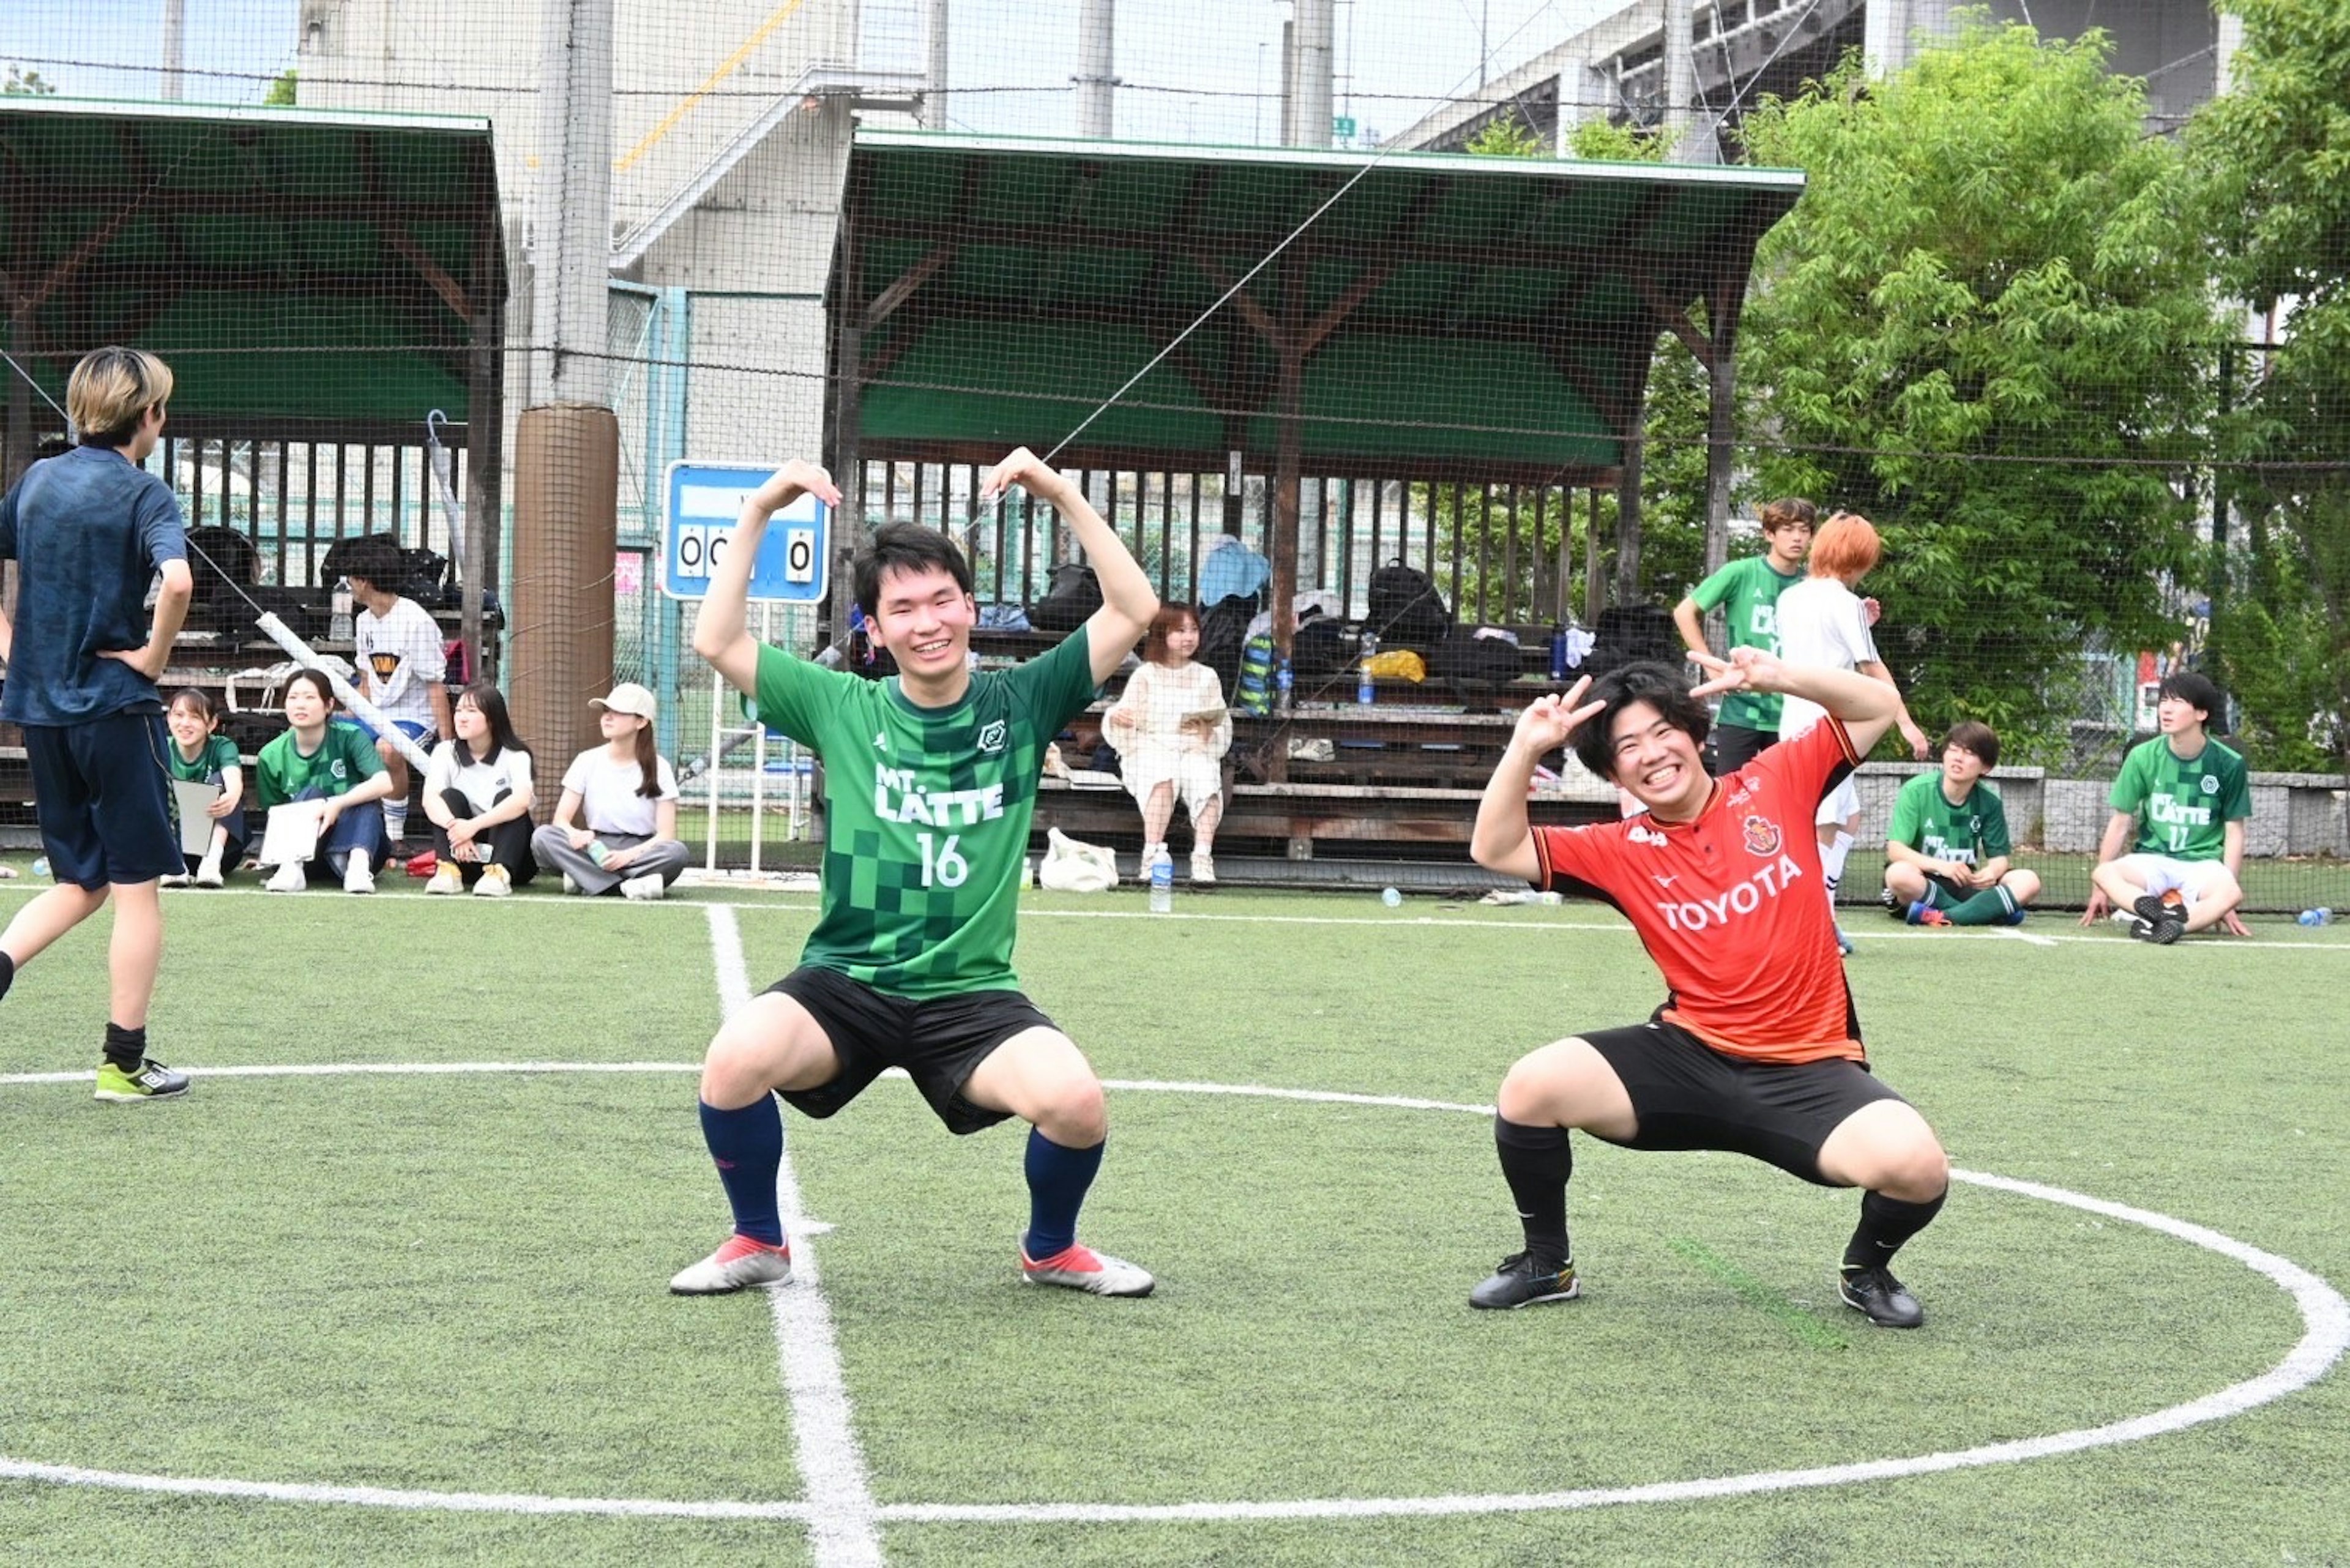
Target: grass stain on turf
(1761,1297)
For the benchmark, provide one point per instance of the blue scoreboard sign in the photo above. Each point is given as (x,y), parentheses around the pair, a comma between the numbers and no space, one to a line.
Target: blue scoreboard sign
(704,499)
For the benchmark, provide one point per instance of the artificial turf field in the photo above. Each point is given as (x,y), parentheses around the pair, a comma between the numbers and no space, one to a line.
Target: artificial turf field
(437,1288)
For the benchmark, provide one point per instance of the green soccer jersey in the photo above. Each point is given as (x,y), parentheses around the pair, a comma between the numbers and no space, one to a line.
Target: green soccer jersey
(926,814)
(215,761)
(1751,588)
(2183,805)
(1971,833)
(343,760)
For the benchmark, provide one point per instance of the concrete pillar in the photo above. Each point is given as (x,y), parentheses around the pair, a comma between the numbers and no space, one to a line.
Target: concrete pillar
(1097,75)
(1680,71)
(1309,121)
(934,96)
(1584,95)
(175,31)
(1891,30)
(572,203)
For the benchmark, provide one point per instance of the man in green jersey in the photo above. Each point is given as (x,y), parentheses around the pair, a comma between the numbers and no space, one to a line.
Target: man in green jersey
(2184,798)
(1946,851)
(930,783)
(1749,590)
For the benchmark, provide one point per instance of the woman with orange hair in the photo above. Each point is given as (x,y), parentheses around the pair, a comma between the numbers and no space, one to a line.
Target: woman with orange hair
(1823,622)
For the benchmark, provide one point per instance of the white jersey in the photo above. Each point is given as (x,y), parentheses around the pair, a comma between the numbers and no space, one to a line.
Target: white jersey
(1820,623)
(403,656)
(481,783)
(608,793)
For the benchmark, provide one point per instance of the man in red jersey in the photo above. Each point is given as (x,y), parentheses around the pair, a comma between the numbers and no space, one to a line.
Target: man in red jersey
(1757,1048)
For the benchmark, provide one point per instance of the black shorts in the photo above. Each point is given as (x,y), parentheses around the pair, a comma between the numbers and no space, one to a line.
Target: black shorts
(1735,745)
(1687,1094)
(939,1042)
(101,796)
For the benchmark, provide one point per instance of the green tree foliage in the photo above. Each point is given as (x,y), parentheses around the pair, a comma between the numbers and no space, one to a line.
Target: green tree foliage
(2274,155)
(281,91)
(1979,328)
(22,83)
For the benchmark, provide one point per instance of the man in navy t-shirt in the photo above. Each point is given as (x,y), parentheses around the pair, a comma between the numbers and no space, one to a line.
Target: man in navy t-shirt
(87,529)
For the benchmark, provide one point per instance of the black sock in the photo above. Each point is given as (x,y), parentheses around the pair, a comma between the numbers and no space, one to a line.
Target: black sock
(126,1048)
(8,973)
(1536,1162)
(1884,1224)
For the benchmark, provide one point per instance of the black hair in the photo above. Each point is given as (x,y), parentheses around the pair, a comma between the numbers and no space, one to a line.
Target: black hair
(905,547)
(311,675)
(1660,687)
(490,703)
(2197,692)
(373,558)
(1977,737)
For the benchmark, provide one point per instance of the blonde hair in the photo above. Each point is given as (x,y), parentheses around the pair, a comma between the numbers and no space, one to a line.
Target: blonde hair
(111,390)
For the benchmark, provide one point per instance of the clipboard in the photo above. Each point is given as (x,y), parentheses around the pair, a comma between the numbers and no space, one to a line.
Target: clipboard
(292,836)
(194,800)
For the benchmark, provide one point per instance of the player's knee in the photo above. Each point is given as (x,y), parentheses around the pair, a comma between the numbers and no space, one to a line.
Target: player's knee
(2023,886)
(1073,1111)
(1915,1169)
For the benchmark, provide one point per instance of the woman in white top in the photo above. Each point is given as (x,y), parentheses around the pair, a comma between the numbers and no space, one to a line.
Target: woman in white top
(478,792)
(1821,621)
(1171,731)
(616,825)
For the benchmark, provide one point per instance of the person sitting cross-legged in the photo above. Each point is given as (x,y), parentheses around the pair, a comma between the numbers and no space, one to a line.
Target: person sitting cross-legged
(2185,797)
(1946,851)
(614,827)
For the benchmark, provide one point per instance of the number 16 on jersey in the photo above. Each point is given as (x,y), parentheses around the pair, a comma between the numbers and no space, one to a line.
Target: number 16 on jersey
(705,500)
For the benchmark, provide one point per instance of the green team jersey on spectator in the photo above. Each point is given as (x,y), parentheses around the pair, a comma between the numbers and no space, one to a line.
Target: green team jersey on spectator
(926,814)
(343,760)
(2183,803)
(214,759)
(1751,588)
(1972,832)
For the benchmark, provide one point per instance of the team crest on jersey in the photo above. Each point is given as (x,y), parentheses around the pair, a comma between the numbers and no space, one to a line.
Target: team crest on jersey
(1762,836)
(2210,784)
(1974,827)
(334,769)
(990,737)
(1648,835)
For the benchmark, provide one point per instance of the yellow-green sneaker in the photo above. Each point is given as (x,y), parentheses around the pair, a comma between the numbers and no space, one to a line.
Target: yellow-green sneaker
(154,1081)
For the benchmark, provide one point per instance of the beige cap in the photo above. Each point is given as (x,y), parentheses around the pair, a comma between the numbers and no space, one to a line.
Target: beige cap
(627,697)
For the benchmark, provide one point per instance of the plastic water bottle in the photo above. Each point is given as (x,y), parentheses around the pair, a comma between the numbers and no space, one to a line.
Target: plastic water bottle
(1391,898)
(2316,917)
(341,629)
(599,851)
(1365,688)
(41,866)
(1162,882)
(1557,652)
(1283,682)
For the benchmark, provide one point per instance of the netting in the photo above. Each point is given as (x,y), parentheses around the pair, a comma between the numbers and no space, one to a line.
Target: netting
(1540,302)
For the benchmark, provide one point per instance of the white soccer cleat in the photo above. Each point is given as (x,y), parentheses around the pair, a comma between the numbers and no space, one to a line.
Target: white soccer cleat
(649,885)
(569,884)
(287,878)
(1080,1268)
(208,875)
(358,877)
(493,883)
(741,1264)
(446,878)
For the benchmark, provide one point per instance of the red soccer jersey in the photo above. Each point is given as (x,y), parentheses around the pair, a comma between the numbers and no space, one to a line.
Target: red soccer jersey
(1731,905)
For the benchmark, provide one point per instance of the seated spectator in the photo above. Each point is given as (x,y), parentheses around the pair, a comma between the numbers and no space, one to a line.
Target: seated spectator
(397,646)
(1946,852)
(199,754)
(2185,797)
(477,792)
(1171,731)
(616,825)
(335,767)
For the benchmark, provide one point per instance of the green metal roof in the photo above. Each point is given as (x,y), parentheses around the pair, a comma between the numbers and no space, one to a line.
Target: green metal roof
(296,268)
(1488,316)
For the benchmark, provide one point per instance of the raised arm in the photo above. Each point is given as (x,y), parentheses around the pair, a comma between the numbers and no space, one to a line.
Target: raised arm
(1502,840)
(720,634)
(1867,707)
(1127,600)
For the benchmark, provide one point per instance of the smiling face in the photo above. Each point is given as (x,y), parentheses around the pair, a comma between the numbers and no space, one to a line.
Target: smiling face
(189,727)
(1656,762)
(923,618)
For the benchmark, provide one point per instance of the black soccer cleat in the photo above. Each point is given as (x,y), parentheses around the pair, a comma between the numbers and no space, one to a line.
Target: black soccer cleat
(2158,922)
(1878,1296)
(1521,1280)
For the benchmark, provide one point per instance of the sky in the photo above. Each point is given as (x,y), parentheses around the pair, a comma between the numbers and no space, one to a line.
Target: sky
(1195,70)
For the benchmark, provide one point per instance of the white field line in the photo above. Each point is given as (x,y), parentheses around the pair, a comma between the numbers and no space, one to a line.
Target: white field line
(2325,1317)
(842,1532)
(1609,924)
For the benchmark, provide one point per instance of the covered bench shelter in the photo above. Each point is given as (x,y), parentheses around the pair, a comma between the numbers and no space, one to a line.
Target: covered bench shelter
(1448,316)
(319,281)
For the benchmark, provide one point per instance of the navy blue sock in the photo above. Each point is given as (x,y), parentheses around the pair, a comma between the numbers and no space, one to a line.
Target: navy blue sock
(1058,1181)
(748,1146)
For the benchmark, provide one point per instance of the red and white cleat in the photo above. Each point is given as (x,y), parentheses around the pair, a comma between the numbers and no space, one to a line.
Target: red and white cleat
(1080,1268)
(741,1264)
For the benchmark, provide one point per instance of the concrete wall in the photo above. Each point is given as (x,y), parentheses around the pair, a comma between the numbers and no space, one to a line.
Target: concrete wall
(2293,813)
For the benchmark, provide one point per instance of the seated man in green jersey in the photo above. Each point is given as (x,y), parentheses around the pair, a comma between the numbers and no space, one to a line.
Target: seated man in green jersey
(1946,851)
(2184,798)
(930,783)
